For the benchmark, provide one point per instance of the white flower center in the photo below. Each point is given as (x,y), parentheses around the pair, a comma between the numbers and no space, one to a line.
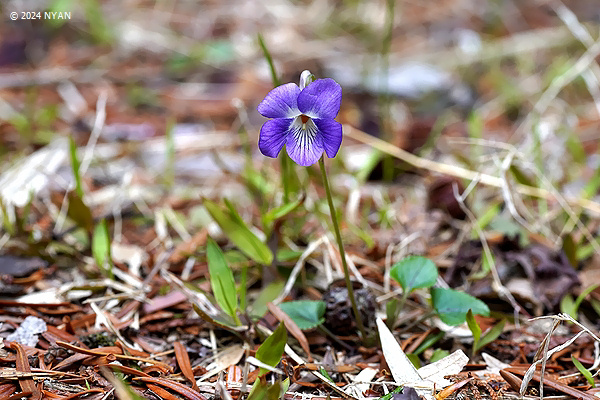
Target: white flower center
(304,130)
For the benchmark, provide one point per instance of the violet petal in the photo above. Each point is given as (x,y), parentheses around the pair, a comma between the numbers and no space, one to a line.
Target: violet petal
(281,102)
(321,99)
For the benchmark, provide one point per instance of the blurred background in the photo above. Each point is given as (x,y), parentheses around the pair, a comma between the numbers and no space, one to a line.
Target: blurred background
(164,94)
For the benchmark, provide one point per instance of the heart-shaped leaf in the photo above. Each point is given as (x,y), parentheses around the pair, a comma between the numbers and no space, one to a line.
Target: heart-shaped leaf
(452,305)
(414,272)
(306,314)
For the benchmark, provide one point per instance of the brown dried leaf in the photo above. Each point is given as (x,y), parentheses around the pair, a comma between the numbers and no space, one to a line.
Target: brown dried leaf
(6,390)
(22,363)
(185,249)
(183,360)
(291,327)
(82,394)
(175,386)
(162,393)
(161,302)
(102,351)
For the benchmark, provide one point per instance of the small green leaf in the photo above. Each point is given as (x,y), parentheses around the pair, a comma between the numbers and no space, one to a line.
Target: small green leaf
(101,248)
(570,249)
(593,185)
(7,223)
(438,354)
(79,212)
(452,305)
(414,359)
(323,372)
(391,313)
(587,374)
(286,254)
(429,341)
(281,211)
(267,294)
(474,327)
(491,335)
(75,166)
(487,217)
(391,394)
(221,279)
(239,234)
(567,305)
(582,297)
(271,350)
(521,176)
(414,272)
(261,390)
(595,305)
(306,314)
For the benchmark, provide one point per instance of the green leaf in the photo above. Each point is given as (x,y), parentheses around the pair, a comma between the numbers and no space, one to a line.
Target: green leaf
(414,272)
(582,297)
(438,354)
(593,185)
(414,359)
(491,335)
(324,372)
(281,211)
(271,350)
(567,305)
(452,305)
(595,305)
(259,390)
(570,249)
(520,176)
(286,254)
(429,341)
(306,314)
(221,279)
(576,148)
(101,248)
(392,393)
(391,313)
(474,327)
(239,234)
(487,217)
(267,294)
(79,212)
(75,166)
(7,223)
(587,374)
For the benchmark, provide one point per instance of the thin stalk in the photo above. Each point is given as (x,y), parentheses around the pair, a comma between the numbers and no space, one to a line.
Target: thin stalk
(335,338)
(403,299)
(385,97)
(399,305)
(263,46)
(283,157)
(338,237)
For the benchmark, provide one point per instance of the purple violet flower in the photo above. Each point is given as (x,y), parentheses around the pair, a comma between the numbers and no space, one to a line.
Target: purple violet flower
(303,120)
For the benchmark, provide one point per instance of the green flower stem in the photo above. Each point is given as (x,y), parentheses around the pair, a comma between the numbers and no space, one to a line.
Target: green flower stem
(338,237)
(285,173)
(385,98)
(283,157)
